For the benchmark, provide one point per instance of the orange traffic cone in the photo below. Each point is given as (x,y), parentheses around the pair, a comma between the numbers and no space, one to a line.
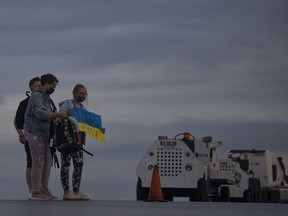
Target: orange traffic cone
(155,192)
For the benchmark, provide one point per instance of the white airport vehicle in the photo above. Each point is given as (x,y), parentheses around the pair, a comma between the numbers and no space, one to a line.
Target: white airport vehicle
(268,168)
(192,168)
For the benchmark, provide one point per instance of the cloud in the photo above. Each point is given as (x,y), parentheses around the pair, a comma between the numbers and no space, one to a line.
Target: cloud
(151,68)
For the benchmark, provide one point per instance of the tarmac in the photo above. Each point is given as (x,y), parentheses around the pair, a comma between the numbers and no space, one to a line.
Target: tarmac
(137,208)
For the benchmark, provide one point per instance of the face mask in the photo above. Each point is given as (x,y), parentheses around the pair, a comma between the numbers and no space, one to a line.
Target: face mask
(50,91)
(81,99)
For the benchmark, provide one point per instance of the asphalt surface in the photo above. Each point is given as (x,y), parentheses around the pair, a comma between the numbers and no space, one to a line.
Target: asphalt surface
(138,208)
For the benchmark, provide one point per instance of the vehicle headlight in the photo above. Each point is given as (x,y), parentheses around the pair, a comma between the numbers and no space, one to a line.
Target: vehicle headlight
(188,167)
(149,166)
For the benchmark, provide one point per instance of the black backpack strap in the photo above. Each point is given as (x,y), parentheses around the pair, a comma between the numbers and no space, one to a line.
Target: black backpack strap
(56,161)
(54,156)
(53,105)
(87,152)
(28,93)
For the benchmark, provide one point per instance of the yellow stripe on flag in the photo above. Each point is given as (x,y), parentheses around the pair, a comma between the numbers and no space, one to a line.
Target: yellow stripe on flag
(95,133)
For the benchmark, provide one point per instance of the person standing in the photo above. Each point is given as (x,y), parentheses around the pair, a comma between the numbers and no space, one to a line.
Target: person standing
(38,117)
(189,142)
(19,124)
(79,96)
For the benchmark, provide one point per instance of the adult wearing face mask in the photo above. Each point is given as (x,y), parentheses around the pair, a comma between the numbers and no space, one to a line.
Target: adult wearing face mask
(79,96)
(38,116)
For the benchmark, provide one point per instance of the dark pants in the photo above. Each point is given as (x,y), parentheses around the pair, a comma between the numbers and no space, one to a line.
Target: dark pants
(77,159)
(28,155)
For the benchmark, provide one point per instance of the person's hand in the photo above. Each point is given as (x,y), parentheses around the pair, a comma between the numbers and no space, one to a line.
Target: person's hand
(102,130)
(69,112)
(22,139)
(62,115)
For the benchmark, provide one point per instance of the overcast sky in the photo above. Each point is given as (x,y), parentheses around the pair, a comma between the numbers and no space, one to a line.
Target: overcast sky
(151,67)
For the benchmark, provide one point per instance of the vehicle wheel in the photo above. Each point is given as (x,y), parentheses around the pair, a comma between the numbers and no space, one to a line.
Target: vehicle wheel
(225,194)
(254,187)
(247,196)
(168,196)
(202,190)
(258,192)
(141,193)
(263,196)
(257,197)
(192,196)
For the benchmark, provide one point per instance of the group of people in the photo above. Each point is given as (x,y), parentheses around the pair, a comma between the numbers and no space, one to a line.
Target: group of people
(34,122)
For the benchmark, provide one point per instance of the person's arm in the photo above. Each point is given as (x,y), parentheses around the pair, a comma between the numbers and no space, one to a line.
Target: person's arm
(66,107)
(18,121)
(20,133)
(60,115)
(41,112)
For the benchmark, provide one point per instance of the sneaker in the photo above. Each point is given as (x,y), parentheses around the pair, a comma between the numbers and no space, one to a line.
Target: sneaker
(81,196)
(39,196)
(51,196)
(69,195)
(29,195)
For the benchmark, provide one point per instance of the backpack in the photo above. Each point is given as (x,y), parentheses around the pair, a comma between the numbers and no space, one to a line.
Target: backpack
(66,139)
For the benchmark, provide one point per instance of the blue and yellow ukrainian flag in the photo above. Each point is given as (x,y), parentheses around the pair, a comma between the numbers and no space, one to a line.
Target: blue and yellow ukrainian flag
(89,122)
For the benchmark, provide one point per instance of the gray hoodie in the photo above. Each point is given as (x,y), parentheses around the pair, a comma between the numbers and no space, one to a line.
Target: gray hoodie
(67,104)
(38,114)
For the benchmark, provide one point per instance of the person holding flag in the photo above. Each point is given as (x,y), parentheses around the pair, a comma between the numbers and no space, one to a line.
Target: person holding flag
(89,123)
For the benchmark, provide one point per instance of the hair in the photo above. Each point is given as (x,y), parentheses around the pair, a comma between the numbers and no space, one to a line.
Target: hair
(33,80)
(77,87)
(48,78)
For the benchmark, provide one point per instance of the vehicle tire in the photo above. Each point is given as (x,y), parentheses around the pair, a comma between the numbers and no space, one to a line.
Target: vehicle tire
(257,195)
(141,193)
(168,196)
(225,194)
(263,196)
(192,195)
(254,187)
(202,190)
(247,196)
